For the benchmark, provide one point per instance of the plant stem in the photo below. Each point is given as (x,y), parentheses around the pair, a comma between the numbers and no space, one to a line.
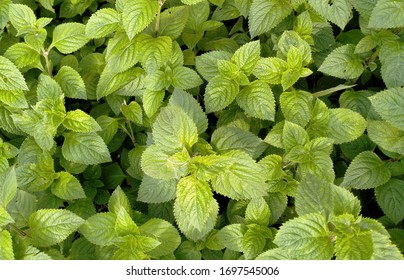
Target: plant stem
(45,54)
(156,28)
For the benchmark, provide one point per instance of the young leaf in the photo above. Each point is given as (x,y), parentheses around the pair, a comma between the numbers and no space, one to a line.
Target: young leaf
(80,121)
(356,247)
(110,81)
(121,53)
(306,237)
(257,100)
(50,226)
(246,57)
(124,224)
(220,93)
(23,55)
(10,77)
(345,125)
(99,229)
(270,69)
(293,135)
(389,104)
(172,22)
(173,129)
(231,236)
(71,83)
(387,14)
(155,52)
(85,148)
(266,15)
(133,112)
(257,212)
(254,241)
(67,187)
(296,107)
(206,64)
(343,63)
(137,15)
(366,171)
(6,246)
(390,197)
(8,186)
(386,136)
(102,23)
(22,18)
(69,37)
(119,200)
(185,78)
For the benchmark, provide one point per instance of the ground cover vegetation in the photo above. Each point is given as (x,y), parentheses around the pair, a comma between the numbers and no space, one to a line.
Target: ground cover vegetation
(196,129)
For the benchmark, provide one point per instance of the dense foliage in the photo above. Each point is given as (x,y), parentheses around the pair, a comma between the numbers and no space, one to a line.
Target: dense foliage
(196,129)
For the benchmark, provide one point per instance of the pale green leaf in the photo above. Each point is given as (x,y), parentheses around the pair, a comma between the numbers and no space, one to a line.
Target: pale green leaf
(6,246)
(392,58)
(266,15)
(172,21)
(386,136)
(275,254)
(191,2)
(257,100)
(173,129)
(345,201)
(356,247)
(194,197)
(22,18)
(390,197)
(290,40)
(206,64)
(387,14)
(320,165)
(345,125)
(119,200)
(246,57)
(257,212)
(5,218)
(71,83)
(231,236)
(296,106)
(80,121)
(110,81)
(121,53)
(14,99)
(102,23)
(10,77)
(243,179)
(338,11)
(253,242)
(133,112)
(51,226)
(48,88)
(293,135)
(47,4)
(99,229)
(357,101)
(383,248)
(4,11)
(277,203)
(390,106)
(270,69)
(8,186)
(155,52)
(225,139)
(109,127)
(306,238)
(85,148)
(67,187)
(124,224)
(343,63)
(153,190)
(366,171)
(22,55)
(137,15)
(69,37)
(191,107)
(220,93)
(185,78)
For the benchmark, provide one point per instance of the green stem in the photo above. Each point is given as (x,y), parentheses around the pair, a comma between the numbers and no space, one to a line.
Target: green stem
(157,26)
(20,232)
(45,54)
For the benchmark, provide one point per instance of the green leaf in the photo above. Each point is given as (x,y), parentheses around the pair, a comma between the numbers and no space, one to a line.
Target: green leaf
(4,11)
(102,23)
(345,125)
(165,233)
(296,106)
(220,93)
(10,77)
(80,121)
(22,18)
(191,107)
(47,4)
(339,12)
(246,57)
(110,81)
(387,14)
(99,229)
(392,58)
(8,186)
(67,187)
(152,101)
(14,99)
(173,129)
(137,15)
(6,246)
(314,195)
(290,40)
(383,249)
(155,52)
(225,139)
(5,218)
(109,127)
(121,53)
(85,148)
(194,197)
(386,136)
(185,78)
(254,241)
(69,37)
(390,106)
(133,112)
(306,237)
(231,236)
(366,171)
(266,15)
(71,83)
(270,69)
(257,212)
(243,179)
(153,190)
(158,164)
(119,200)
(191,2)
(206,64)
(124,224)
(293,135)
(51,226)
(390,197)
(345,201)
(257,100)
(343,63)
(172,21)
(22,55)
(48,88)
(357,247)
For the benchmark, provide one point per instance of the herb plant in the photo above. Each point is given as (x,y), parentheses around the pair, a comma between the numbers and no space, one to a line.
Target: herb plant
(196,129)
